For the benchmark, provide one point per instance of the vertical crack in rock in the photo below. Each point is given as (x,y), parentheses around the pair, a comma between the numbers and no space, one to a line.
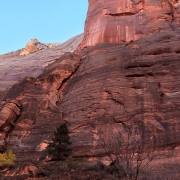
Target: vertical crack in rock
(117,109)
(172,13)
(64,82)
(57,75)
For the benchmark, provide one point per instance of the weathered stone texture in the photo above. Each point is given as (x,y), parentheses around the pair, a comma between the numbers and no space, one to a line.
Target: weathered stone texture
(8,116)
(129,82)
(129,76)
(34,46)
(113,84)
(41,113)
(14,67)
(119,21)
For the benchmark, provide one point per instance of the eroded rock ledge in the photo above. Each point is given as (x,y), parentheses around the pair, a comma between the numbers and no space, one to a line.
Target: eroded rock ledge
(8,116)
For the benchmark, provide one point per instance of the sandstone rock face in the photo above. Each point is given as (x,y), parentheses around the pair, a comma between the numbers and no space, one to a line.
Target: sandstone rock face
(33,46)
(14,67)
(126,83)
(119,21)
(8,116)
(108,85)
(111,85)
(41,112)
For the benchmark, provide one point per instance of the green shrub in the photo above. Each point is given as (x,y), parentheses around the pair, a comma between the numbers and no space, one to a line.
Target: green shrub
(58,147)
(7,159)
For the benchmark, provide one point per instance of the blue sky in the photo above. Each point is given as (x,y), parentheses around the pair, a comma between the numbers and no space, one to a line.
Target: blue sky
(48,21)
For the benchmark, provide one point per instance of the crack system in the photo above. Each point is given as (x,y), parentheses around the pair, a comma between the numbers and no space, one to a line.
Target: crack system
(113,99)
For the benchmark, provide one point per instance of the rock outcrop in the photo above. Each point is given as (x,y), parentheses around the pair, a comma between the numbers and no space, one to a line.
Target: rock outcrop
(34,46)
(41,112)
(14,67)
(8,116)
(118,21)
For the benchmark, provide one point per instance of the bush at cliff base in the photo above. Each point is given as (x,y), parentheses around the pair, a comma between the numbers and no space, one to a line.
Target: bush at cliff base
(7,159)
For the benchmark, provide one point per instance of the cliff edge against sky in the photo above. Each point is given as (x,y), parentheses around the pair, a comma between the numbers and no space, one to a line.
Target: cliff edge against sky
(125,71)
(120,21)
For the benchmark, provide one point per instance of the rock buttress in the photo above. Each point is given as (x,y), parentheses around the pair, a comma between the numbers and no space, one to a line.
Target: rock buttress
(117,21)
(41,113)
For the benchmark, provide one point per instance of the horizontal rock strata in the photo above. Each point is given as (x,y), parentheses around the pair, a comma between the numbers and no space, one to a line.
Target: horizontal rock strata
(128,74)
(40,113)
(14,67)
(127,83)
(113,84)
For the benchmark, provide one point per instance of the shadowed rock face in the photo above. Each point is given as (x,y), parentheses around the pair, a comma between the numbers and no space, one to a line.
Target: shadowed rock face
(118,21)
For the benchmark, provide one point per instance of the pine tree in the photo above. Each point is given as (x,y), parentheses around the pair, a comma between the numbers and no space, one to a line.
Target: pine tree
(58,147)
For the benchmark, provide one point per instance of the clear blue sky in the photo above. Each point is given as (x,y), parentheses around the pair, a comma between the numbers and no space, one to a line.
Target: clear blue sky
(48,21)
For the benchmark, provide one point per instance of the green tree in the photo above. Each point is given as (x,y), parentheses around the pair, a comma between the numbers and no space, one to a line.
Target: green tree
(58,148)
(7,159)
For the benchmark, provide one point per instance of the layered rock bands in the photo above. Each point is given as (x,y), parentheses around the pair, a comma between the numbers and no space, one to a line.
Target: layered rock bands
(109,86)
(128,74)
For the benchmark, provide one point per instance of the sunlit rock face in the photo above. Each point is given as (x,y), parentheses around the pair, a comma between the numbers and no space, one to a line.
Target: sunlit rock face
(34,46)
(103,88)
(117,21)
(31,61)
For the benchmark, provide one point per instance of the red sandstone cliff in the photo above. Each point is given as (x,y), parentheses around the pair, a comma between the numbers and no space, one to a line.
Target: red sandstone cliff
(119,21)
(129,74)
